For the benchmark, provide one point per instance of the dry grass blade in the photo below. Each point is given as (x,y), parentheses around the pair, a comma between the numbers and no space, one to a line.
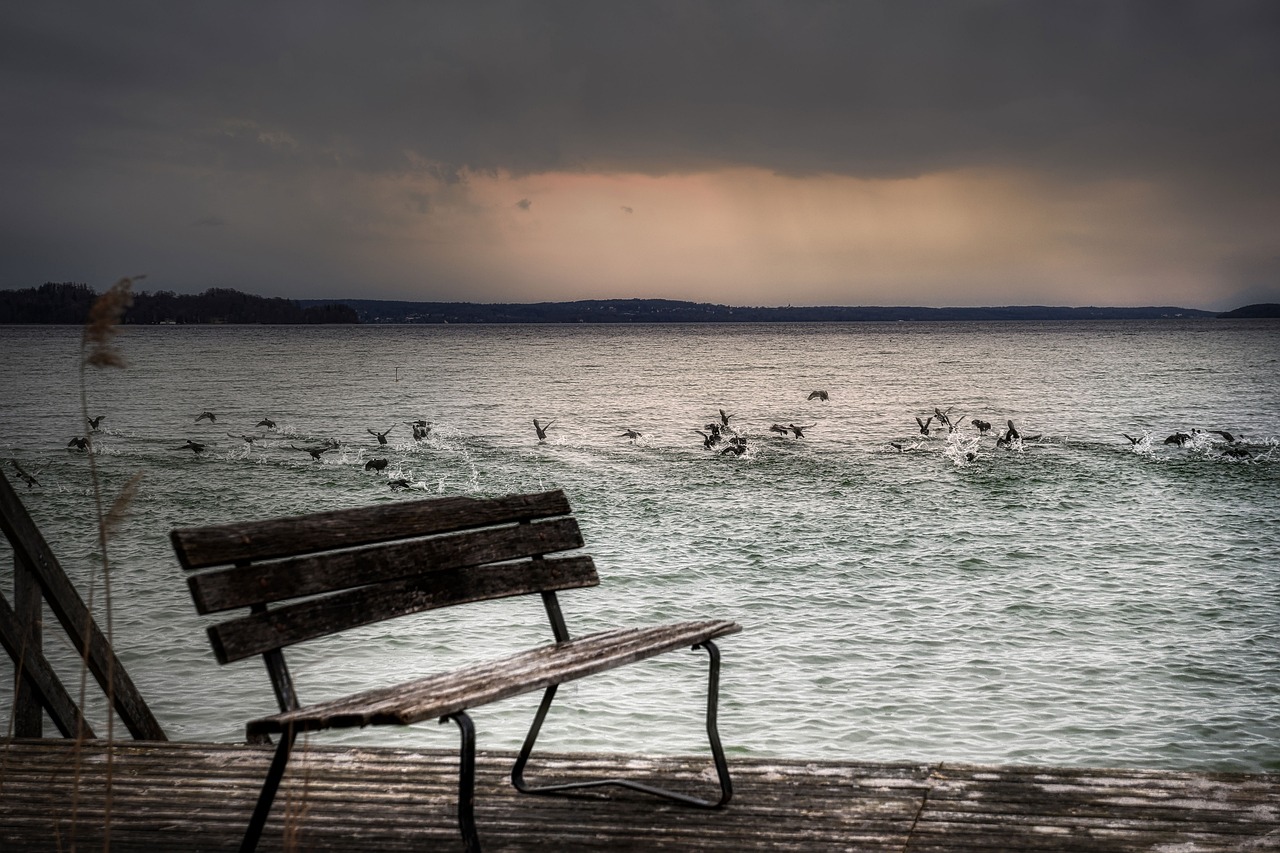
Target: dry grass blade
(120,507)
(104,321)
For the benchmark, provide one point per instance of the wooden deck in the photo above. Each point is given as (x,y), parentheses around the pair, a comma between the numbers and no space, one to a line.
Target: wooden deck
(180,797)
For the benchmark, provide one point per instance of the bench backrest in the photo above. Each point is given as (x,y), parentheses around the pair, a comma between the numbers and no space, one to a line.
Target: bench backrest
(330,571)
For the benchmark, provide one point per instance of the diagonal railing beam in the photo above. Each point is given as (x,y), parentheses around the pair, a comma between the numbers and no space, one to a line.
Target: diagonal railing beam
(30,546)
(39,678)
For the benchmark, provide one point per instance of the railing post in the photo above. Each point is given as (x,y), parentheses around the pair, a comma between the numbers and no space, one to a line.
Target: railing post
(28,716)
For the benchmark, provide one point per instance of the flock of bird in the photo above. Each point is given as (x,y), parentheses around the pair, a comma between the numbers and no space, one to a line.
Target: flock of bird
(719,435)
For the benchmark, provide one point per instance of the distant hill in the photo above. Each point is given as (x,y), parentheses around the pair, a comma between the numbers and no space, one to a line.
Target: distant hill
(70,303)
(675,311)
(1263,310)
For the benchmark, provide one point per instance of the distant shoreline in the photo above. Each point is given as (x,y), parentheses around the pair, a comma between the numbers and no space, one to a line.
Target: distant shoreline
(69,303)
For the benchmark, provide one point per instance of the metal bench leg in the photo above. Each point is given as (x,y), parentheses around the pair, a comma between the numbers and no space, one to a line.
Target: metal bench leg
(466,781)
(713,735)
(274,774)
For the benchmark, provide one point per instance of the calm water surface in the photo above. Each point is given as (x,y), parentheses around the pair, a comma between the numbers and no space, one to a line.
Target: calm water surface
(1073,599)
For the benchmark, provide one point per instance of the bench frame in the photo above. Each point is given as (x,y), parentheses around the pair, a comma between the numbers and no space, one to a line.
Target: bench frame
(327,572)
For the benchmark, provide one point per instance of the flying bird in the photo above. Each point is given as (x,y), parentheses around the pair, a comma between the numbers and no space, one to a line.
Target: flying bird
(266,422)
(541,430)
(93,422)
(381,436)
(212,418)
(79,443)
(631,434)
(818,395)
(779,429)
(26,478)
(924,424)
(709,440)
(724,419)
(799,430)
(314,451)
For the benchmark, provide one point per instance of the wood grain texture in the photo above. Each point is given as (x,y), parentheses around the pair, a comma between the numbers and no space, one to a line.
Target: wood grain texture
(317,617)
(186,797)
(242,586)
(479,684)
(30,546)
(201,547)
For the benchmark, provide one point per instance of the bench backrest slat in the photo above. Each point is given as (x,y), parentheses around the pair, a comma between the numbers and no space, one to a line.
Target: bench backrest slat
(201,547)
(317,617)
(314,574)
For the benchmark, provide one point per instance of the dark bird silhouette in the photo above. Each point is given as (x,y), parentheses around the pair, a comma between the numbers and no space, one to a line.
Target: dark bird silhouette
(983,426)
(314,451)
(541,430)
(381,436)
(249,439)
(266,422)
(736,448)
(799,430)
(1237,452)
(724,418)
(193,446)
(375,465)
(210,416)
(79,443)
(818,395)
(398,483)
(1226,436)
(709,440)
(26,478)
(779,429)
(713,428)
(631,434)
(896,445)
(421,429)
(93,422)
(924,424)
(1178,438)
(953,426)
(942,417)
(1010,435)
(1132,440)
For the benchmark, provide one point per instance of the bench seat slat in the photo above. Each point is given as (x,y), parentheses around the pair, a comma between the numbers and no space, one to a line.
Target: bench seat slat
(201,547)
(310,618)
(244,586)
(447,693)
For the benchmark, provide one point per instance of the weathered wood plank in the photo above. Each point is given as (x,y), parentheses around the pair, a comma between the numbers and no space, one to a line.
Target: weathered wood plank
(482,683)
(242,586)
(188,797)
(28,609)
(30,546)
(38,677)
(201,547)
(311,618)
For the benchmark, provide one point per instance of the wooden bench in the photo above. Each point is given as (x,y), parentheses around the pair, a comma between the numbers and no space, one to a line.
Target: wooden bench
(313,575)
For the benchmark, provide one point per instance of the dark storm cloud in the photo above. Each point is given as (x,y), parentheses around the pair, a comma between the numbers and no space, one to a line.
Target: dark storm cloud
(142,107)
(893,88)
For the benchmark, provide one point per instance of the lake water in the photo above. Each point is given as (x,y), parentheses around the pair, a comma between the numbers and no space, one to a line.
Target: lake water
(1074,599)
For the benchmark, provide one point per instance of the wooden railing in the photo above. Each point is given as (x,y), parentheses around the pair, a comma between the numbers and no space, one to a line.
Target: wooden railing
(37,690)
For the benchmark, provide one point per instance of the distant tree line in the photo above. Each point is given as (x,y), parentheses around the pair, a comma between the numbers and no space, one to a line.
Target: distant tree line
(70,303)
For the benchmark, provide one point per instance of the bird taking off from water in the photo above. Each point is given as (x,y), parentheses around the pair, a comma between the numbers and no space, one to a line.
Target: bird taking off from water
(93,422)
(631,434)
(984,427)
(26,478)
(818,395)
(799,429)
(1178,438)
(421,429)
(541,430)
(381,436)
(193,446)
(209,416)
(779,429)
(314,451)
(266,422)
(79,443)
(375,465)
(924,424)
(724,418)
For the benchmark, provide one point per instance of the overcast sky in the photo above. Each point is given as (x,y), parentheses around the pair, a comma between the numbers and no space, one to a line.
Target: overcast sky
(750,153)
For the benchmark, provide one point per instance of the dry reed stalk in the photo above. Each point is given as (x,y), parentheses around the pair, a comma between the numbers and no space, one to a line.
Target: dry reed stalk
(97,349)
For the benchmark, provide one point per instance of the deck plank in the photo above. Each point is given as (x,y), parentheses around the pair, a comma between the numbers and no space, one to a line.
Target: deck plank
(196,797)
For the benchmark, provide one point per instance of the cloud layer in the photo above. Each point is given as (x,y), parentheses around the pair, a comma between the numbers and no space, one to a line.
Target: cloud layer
(949,153)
